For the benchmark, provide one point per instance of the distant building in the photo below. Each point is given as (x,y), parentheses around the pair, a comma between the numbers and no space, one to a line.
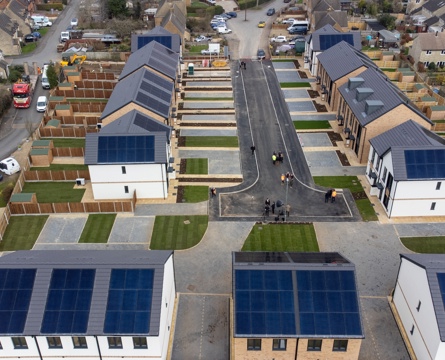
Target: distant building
(295,306)
(97,305)
(429,48)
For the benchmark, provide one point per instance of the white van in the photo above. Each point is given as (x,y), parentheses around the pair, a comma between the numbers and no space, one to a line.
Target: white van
(45,82)
(9,166)
(41,20)
(42,102)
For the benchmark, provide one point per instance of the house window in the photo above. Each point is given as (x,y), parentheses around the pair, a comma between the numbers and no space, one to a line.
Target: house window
(19,342)
(140,342)
(438,185)
(80,342)
(254,344)
(429,52)
(314,345)
(418,305)
(433,206)
(1,347)
(126,189)
(279,344)
(385,170)
(442,52)
(124,170)
(54,342)
(412,330)
(115,342)
(340,345)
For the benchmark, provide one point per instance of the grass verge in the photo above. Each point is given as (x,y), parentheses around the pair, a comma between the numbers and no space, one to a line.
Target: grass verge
(62,167)
(54,192)
(197,166)
(207,98)
(195,194)
(294,85)
(308,125)
(197,48)
(74,143)
(425,244)
(178,232)
(364,206)
(29,47)
(97,228)
(211,141)
(282,237)
(22,232)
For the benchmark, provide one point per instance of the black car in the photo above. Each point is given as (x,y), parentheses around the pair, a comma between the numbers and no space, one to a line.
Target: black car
(270,12)
(232,14)
(261,54)
(29,38)
(301,31)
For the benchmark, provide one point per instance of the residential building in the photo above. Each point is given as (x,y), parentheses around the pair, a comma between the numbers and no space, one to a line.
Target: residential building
(418,303)
(129,157)
(328,12)
(294,306)
(323,39)
(159,34)
(370,105)
(406,169)
(95,304)
(429,48)
(172,16)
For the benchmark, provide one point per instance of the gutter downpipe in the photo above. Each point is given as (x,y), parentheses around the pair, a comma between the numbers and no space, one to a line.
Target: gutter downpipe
(98,348)
(38,348)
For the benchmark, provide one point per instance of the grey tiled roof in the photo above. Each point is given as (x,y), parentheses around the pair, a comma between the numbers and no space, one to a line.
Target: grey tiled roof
(433,5)
(154,55)
(407,134)
(375,25)
(131,89)
(103,261)
(339,18)
(433,264)
(387,36)
(133,123)
(320,40)
(341,59)
(431,21)
(326,5)
(384,91)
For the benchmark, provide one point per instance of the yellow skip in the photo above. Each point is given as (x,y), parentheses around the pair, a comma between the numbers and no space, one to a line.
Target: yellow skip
(219,63)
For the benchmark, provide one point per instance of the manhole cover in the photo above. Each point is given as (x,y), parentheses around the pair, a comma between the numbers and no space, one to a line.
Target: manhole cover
(191,287)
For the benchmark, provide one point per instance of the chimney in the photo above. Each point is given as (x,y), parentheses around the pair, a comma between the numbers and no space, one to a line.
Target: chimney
(363,93)
(372,106)
(355,82)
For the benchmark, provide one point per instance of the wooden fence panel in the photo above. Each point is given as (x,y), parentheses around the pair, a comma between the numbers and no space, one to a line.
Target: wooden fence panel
(68,152)
(4,221)
(77,208)
(108,207)
(61,207)
(32,208)
(58,175)
(92,207)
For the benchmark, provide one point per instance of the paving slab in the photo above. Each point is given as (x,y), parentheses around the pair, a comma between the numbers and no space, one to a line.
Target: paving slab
(429,229)
(314,117)
(205,94)
(208,84)
(131,230)
(209,132)
(288,76)
(210,73)
(295,94)
(280,65)
(200,208)
(208,105)
(314,139)
(220,161)
(209,118)
(62,229)
(326,163)
(295,106)
(90,247)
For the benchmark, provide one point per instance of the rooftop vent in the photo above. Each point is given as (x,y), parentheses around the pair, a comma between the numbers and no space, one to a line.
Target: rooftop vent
(355,82)
(363,93)
(372,106)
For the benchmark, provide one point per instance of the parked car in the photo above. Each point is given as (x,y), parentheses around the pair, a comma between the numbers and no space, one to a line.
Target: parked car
(270,12)
(74,22)
(261,24)
(279,39)
(36,34)
(212,2)
(42,102)
(208,52)
(261,54)
(232,14)
(218,25)
(202,38)
(286,1)
(29,38)
(35,27)
(224,30)
(298,30)
(110,39)
(289,21)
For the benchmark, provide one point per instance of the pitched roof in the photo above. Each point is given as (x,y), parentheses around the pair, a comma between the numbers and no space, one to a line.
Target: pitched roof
(48,280)
(384,98)
(274,295)
(154,55)
(322,41)
(431,21)
(159,34)
(407,134)
(7,24)
(431,41)
(375,25)
(339,18)
(433,5)
(434,265)
(176,17)
(387,36)
(145,88)
(342,59)
(326,5)
(150,148)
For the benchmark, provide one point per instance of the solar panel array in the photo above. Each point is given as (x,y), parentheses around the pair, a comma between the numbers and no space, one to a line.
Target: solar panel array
(68,303)
(162,60)
(327,41)
(441,281)
(164,40)
(155,93)
(126,149)
(15,295)
(321,303)
(129,301)
(425,164)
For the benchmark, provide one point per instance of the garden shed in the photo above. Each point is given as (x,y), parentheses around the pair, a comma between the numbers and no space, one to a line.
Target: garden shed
(28,198)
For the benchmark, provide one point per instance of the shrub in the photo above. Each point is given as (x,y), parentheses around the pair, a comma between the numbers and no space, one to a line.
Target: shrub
(15,73)
(420,67)
(48,7)
(7,192)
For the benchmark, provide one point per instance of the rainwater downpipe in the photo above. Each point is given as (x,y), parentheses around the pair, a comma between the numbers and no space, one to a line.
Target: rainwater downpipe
(98,348)
(38,348)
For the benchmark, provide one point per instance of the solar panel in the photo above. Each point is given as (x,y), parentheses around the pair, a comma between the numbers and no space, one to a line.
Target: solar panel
(327,41)
(441,281)
(425,164)
(164,40)
(156,79)
(129,301)
(15,295)
(126,149)
(68,302)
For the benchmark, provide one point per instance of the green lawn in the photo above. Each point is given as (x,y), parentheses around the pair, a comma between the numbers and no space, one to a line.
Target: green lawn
(62,167)
(171,233)
(282,237)
(62,142)
(308,125)
(97,228)
(29,47)
(197,48)
(364,206)
(22,232)
(43,30)
(388,69)
(194,194)
(207,98)
(54,192)
(197,166)
(425,245)
(211,141)
(294,85)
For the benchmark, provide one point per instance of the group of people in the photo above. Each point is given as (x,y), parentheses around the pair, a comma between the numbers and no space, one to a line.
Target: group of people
(289,177)
(330,195)
(277,157)
(270,207)
(242,65)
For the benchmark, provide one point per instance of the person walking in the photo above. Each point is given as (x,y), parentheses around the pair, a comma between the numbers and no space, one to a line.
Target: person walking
(273,207)
(282,179)
(327,196)
(287,210)
(333,195)
(267,202)
(244,63)
(291,180)
(274,158)
(280,157)
(212,191)
(241,64)
(252,148)
(267,209)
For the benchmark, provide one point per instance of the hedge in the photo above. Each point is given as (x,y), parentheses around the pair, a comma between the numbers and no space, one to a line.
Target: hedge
(48,7)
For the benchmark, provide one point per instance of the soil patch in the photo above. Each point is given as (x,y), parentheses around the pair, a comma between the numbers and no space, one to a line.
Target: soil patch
(180,194)
(209,180)
(297,64)
(302,74)
(313,94)
(360,195)
(181,142)
(343,158)
(319,107)
(183,166)
(334,137)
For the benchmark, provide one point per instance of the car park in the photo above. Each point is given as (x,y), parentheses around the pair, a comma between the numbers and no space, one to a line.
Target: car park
(261,24)
(225,17)
(279,39)
(74,22)
(29,38)
(232,14)
(208,52)
(270,12)
(261,54)
(217,25)
(202,38)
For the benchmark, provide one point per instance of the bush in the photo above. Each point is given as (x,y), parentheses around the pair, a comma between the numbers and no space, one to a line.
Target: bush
(7,192)
(420,67)
(5,101)
(15,73)
(48,7)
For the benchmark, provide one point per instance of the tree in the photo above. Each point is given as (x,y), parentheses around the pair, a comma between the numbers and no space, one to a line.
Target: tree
(53,78)
(117,8)
(373,9)
(388,21)
(123,28)
(137,11)
(397,6)
(362,6)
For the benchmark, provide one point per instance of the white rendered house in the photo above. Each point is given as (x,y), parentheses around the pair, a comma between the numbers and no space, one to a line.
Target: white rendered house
(95,305)
(419,298)
(406,170)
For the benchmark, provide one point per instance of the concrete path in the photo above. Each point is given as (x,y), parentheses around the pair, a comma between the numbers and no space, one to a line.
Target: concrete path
(220,161)
(129,229)
(208,105)
(61,229)
(171,209)
(209,132)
